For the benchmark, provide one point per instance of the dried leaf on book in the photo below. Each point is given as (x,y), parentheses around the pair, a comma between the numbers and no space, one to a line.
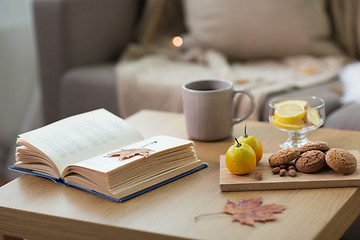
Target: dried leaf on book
(128,153)
(250,211)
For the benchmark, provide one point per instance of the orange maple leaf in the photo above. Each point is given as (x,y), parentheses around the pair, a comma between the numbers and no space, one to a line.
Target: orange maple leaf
(250,211)
(128,153)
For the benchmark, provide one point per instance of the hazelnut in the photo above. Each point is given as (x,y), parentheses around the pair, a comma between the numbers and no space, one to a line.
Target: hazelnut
(283,166)
(282,172)
(291,167)
(276,170)
(292,172)
(258,176)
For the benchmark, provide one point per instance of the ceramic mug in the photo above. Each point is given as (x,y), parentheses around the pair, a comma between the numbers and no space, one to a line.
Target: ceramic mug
(209,109)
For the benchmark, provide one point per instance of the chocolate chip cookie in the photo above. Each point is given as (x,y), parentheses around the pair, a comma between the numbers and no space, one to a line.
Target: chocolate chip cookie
(341,161)
(310,161)
(283,156)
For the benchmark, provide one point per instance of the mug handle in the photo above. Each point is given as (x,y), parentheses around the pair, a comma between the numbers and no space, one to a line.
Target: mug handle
(251,108)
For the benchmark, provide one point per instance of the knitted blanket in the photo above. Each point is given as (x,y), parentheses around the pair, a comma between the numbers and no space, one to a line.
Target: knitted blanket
(150,77)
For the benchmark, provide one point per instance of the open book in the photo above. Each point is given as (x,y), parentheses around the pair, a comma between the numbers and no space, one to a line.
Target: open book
(103,154)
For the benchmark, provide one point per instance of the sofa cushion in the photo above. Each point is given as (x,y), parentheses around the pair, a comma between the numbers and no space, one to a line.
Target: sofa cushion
(95,31)
(88,88)
(346,117)
(245,29)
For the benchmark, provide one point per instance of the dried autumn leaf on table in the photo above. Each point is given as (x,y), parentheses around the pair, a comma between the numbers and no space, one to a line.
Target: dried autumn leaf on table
(251,211)
(128,153)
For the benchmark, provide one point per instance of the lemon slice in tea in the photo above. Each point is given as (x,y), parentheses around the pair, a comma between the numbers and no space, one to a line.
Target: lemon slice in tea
(296,126)
(303,103)
(289,113)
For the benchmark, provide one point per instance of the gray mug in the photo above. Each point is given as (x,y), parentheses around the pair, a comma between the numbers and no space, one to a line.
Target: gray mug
(209,109)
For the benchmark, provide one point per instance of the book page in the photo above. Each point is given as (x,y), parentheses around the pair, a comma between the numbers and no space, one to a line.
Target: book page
(157,144)
(82,136)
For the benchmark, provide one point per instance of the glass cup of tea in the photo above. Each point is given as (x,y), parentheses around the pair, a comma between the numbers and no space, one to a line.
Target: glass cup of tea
(297,116)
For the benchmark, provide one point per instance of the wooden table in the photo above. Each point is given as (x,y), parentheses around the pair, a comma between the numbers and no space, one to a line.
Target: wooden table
(35,208)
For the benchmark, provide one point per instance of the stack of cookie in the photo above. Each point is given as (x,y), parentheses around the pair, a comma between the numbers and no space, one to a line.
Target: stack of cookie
(314,156)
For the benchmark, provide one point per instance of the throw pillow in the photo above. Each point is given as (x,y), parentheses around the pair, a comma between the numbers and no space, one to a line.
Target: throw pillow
(247,29)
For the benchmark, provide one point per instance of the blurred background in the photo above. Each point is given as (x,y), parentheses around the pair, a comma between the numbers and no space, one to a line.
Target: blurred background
(19,87)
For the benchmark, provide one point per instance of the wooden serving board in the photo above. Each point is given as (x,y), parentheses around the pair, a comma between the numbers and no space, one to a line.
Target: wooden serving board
(325,178)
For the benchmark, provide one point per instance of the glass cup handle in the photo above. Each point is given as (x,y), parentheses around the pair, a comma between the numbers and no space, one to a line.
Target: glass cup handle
(251,108)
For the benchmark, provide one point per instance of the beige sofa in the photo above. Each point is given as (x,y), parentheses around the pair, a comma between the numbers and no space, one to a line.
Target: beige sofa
(80,41)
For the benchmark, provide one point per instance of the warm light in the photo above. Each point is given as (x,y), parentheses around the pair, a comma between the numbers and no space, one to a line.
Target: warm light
(177,41)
